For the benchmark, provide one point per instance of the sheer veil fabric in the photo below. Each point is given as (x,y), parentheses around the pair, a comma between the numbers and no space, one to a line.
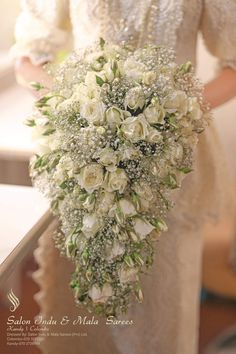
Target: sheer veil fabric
(167,321)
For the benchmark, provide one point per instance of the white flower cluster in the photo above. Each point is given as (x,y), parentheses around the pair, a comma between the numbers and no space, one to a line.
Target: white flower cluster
(116,135)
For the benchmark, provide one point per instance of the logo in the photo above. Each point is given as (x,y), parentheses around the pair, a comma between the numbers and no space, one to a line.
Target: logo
(13,300)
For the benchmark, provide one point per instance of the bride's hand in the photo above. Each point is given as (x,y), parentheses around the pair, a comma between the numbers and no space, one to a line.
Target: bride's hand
(26,73)
(222,88)
(218,275)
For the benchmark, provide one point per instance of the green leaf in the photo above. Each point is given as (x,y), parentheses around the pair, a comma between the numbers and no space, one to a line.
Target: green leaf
(119,216)
(30,123)
(41,161)
(139,294)
(102,42)
(82,197)
(115,67)
(49,131)
(186,67)
(64,184)
(159,127)
(136,200)
(46,113)
(185,169)
(159,224)
(55,162)
(41,102)
(129,261)
(99,80)
(89,274)
(67,184)
(36,85)
(85,255)
(106,277)
(172,121)
(171,181)
(38,162)
(74,284)
(138,259)
(54,204)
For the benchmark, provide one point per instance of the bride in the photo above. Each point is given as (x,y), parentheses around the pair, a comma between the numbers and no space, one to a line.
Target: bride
(167,321)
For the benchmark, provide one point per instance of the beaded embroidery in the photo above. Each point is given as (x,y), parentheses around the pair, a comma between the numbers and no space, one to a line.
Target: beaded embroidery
(144,21)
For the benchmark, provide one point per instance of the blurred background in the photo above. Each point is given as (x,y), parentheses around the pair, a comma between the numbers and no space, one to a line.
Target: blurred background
(217,313)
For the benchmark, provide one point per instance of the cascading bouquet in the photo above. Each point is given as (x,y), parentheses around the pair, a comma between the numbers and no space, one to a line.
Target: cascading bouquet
(117,134)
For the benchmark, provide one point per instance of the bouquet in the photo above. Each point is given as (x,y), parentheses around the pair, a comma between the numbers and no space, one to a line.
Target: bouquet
(116,134)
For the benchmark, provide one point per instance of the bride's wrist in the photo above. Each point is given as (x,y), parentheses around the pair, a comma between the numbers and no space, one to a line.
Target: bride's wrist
(221,89)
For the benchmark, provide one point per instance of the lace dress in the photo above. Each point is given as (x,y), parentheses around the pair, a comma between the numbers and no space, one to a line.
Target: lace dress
(167,321)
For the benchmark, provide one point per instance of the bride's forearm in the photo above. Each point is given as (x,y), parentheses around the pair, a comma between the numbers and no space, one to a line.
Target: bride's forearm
(26,73)
(222,88)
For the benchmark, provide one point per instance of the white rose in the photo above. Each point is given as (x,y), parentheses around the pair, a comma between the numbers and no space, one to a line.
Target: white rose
(134,98)
(63,169)
(135,128)
(84,93)
(93,111)
(90,226)
(176,153)
(186,123)
(128,275)
(155,113)
(133,69)
(194,108)
(117,249)
(159,169)
(66,104)
(91,80)
(105,202)
(94,56)
(59,174)
(97,65)
(89,202)
(128,152)
(116,181)
(127,207)
(100,295)
(114,117)
(149,77)
(154,136)
(143,190)
(108,72)
(189,138)
(142,228)
(91,177)
(108,158)
(176,102)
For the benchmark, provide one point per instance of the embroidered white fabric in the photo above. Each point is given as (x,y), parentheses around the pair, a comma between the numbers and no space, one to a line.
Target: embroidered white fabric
(167,321)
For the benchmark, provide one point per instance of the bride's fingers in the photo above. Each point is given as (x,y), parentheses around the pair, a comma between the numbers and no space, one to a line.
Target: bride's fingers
(26,73)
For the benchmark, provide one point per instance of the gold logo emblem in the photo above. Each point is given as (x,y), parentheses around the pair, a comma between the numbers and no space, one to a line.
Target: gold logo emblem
(13,300)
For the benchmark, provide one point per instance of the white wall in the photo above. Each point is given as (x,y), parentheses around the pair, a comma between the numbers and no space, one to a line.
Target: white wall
(8,12)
